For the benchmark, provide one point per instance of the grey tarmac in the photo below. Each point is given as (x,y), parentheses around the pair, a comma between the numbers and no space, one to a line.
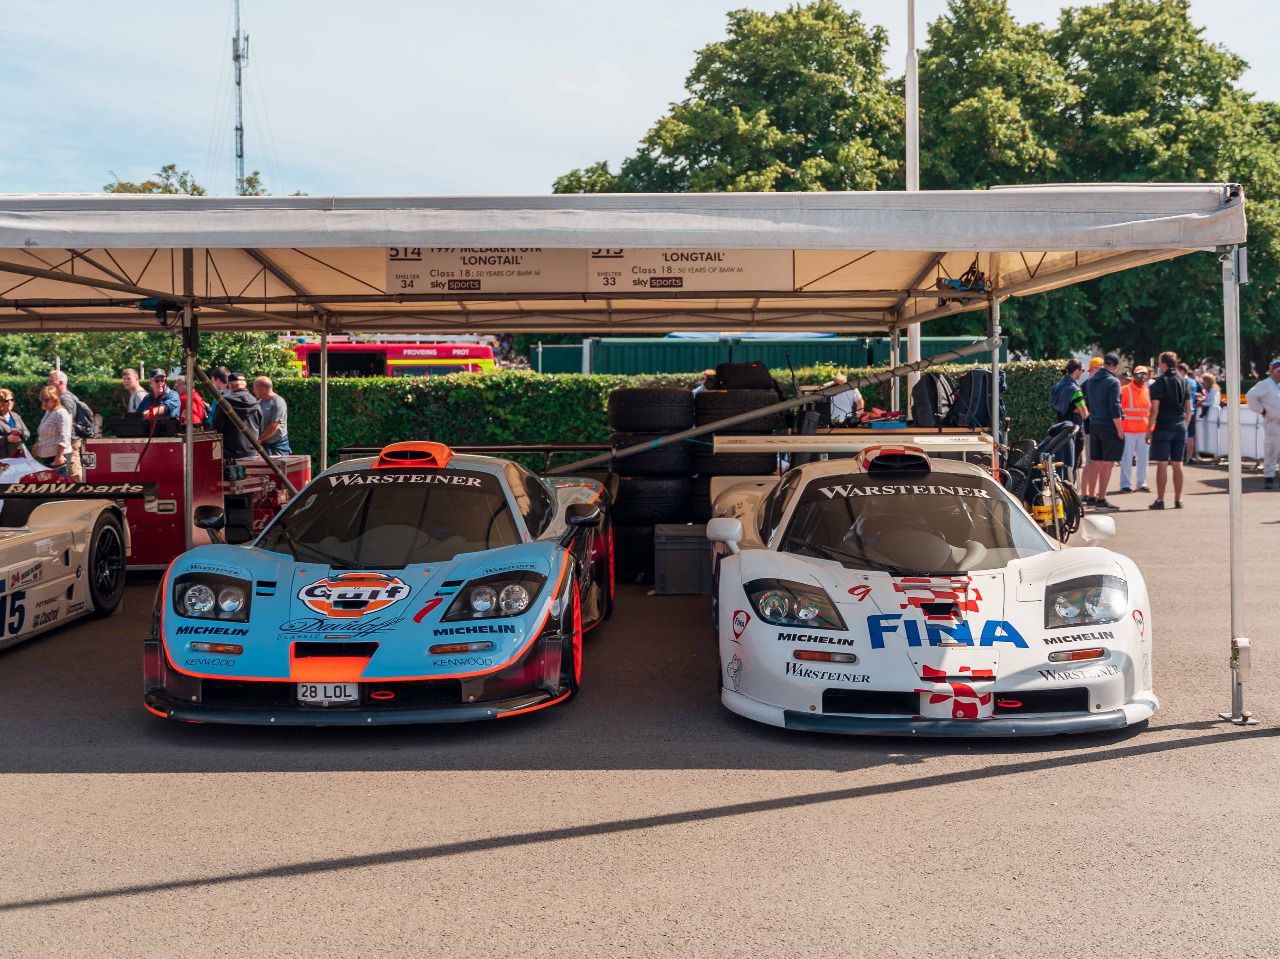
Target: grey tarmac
(643,819)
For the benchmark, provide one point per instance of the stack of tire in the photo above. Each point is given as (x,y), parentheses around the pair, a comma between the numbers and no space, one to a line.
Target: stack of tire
(653,487)
(711,406)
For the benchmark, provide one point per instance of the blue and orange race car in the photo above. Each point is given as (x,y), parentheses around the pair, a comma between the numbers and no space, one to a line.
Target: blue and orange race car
(418,586)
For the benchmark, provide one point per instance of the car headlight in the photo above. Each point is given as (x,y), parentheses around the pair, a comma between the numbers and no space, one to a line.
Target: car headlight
(781,602)
(1086,601)
(210,596)
(495,596)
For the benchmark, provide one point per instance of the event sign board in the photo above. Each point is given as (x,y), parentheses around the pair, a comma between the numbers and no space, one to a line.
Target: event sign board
(702,271)
(444,270)
(430,269)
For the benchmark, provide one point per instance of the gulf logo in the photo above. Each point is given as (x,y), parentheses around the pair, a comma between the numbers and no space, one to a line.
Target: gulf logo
(351,595)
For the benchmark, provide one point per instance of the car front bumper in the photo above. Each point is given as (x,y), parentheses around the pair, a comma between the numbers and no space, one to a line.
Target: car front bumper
(1000,727)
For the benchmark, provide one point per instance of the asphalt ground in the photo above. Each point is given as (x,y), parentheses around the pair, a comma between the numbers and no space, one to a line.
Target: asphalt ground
(643,819)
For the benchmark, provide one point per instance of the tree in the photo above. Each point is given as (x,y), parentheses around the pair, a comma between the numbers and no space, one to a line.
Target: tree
(167,180)
(794,100)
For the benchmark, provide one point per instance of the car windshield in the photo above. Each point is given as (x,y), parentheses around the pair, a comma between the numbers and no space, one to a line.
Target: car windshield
(386,519)
(923,523)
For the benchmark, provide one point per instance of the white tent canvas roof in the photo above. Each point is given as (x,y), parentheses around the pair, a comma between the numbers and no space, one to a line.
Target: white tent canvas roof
(850,262)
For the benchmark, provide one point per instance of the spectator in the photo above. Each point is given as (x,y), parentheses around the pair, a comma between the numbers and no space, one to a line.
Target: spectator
(1167,428)
(133,391)
(846,407)
(1067,401)
(70,402)
(15,431)
(1193,392)
(1210,395)
(219,376)
(1106,431)
(161,401)
(1135,401)
(1264,399)
(53,435)
(180,387)
(275,417)
(235,445)
(708,382)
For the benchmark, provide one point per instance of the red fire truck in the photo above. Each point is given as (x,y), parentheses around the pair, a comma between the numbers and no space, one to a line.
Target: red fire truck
(393,358)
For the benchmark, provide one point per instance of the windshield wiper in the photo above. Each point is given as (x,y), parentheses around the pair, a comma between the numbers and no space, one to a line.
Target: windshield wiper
(840,556)
(331,558)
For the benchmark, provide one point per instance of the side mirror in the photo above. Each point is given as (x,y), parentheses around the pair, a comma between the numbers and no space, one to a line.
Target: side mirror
(578,516)
(1094,528)
(727,530)
(210,517)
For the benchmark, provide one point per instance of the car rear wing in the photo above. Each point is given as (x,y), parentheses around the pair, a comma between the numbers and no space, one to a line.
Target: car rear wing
(854,442)
(57,490)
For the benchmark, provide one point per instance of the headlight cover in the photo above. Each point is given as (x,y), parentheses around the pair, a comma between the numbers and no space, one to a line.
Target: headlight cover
(211,596)
(497,596)
(781,602)
(1086,601)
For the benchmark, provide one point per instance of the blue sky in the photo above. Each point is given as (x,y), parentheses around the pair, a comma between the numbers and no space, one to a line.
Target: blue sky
(388,96)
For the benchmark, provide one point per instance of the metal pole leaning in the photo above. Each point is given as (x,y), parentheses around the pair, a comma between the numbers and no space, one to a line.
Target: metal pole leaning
(1232,260)
(234,417)
(781,406)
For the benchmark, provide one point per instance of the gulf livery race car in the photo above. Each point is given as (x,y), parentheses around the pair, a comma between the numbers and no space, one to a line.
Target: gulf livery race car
(889,593)
(418,586)
(62,556)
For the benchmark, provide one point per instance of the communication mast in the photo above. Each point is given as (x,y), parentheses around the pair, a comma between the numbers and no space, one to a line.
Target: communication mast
(239,57)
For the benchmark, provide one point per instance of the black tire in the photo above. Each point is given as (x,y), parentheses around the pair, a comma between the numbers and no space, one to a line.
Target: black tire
(648,500)
(650,410)
(106,561)
(707,463)
(700,499)
(715,405)
(635,553)
(675,459)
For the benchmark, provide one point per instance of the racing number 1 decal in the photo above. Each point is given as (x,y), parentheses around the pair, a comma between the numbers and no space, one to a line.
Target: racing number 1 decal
(13,609)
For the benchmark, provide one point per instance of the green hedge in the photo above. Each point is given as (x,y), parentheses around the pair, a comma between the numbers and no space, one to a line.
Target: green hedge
(511,406)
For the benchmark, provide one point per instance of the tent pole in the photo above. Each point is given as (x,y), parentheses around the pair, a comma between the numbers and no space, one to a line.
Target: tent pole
(895,341)
(188,351)
(912,81)
(993,333)
(324,392)
(1231,258)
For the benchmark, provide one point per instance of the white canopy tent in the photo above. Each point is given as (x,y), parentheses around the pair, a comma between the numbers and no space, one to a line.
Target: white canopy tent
(623,263)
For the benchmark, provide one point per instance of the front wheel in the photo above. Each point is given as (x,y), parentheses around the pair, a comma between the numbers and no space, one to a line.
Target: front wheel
(106,564)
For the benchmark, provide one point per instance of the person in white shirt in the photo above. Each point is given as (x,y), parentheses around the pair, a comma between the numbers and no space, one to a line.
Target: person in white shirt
(133,391)
(846,407)
(1264,399)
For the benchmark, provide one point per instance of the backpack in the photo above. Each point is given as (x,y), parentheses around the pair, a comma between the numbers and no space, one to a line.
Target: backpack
(82,424)
(972,407)
(931,399)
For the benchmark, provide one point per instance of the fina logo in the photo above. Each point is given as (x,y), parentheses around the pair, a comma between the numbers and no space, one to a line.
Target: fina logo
(351,595)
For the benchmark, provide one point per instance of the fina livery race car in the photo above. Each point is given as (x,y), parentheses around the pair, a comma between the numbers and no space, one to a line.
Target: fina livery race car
(62,556)
(418,586)
(891,593)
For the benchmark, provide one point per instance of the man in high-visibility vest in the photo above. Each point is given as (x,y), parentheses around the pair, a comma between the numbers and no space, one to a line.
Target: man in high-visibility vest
(1135,402)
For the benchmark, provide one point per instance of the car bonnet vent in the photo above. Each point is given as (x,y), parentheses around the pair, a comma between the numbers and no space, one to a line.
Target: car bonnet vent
(265,587)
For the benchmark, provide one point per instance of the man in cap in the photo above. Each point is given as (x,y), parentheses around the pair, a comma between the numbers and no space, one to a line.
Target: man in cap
(1135,400)
(235,445)
(1264,399)
(1106,431)
(1067,401)
(161,401)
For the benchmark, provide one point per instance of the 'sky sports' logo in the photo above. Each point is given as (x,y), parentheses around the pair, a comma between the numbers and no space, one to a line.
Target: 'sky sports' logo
(351,595)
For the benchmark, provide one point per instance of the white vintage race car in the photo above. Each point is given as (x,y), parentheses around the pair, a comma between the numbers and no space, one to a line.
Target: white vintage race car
(61,556)
(895,594)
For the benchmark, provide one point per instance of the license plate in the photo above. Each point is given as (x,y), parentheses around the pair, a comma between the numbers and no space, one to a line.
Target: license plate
(328,694)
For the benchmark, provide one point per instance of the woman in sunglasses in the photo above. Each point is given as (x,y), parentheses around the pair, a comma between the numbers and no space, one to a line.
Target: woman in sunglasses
(53,444)
(15,431)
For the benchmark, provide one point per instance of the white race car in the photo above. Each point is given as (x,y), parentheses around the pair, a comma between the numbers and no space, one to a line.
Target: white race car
(61,556)
(894,594)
